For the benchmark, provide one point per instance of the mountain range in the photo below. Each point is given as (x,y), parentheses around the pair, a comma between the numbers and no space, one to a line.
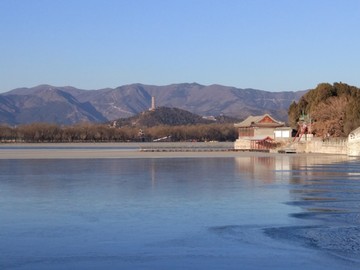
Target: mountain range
(69,105)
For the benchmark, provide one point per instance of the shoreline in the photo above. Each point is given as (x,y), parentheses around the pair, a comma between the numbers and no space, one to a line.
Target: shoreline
(127,150)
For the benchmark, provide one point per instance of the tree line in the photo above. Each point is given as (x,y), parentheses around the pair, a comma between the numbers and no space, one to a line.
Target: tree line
(88,132)
(333,109)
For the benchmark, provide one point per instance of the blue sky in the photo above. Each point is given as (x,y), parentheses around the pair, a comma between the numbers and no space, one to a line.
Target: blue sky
(276,45)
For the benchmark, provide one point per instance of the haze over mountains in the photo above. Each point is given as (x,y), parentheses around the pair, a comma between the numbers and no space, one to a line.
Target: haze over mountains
(69,105)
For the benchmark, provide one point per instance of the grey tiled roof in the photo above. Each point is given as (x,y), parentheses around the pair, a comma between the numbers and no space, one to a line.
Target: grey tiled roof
(254,121)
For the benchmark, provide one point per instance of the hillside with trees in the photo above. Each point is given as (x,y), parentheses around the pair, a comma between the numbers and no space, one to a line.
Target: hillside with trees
(334,109)
(170,117)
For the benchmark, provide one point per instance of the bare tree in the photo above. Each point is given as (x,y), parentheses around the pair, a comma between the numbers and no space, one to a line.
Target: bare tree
(329,117)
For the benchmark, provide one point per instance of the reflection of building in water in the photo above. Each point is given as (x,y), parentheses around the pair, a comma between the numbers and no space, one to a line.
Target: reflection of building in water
(263,168)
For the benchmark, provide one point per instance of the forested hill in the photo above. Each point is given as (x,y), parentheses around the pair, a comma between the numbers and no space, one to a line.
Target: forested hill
(170,117)
(334,109)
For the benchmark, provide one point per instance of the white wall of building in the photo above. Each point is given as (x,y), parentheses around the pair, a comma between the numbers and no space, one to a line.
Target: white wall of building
(282,133)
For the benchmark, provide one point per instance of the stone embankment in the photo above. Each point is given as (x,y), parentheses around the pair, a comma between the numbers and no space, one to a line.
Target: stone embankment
(338,146)
(317,145)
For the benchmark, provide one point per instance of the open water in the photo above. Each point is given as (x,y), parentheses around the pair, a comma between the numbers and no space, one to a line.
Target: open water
(248,212)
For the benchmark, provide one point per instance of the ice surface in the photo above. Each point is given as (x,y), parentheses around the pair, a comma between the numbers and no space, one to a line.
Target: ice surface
(272,212)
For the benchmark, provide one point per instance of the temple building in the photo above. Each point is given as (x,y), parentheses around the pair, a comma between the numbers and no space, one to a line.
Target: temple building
(260,132)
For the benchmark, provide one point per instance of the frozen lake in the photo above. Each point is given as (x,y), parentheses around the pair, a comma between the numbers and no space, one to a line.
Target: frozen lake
(246,212)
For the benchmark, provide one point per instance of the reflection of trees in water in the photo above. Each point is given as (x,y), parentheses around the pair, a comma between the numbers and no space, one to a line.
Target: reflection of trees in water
(323,188)
(292,169)
(308,167)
